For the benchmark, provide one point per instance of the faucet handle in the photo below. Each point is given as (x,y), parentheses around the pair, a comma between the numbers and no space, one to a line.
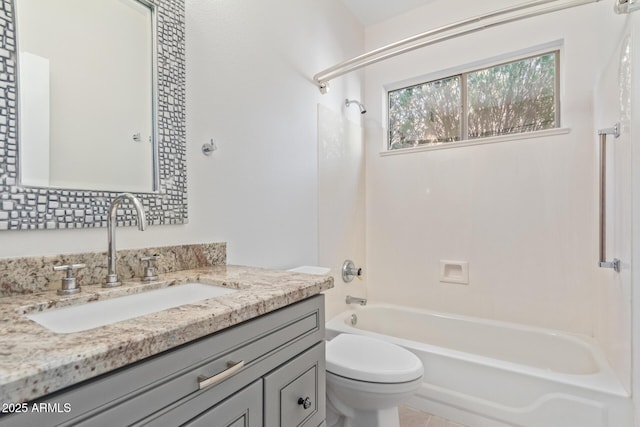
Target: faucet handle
(68,268)
(69,283)
(349,271)
(149,270)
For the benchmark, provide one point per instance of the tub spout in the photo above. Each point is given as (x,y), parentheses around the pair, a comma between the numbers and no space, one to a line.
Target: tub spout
(353,300)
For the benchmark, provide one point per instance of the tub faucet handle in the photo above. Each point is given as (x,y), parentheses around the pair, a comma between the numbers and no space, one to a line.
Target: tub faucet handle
(349,271)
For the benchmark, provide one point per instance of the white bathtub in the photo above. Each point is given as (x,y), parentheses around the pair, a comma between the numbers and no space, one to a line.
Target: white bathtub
(484,373)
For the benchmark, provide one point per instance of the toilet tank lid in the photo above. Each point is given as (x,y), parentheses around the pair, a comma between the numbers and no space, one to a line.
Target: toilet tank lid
(367,359)
(311,269)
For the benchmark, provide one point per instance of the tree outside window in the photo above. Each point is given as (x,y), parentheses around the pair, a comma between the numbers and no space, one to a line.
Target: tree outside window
(515,97)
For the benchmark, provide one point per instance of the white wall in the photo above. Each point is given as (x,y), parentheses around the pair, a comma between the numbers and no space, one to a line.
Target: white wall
(251,91)
(522,213)
(249,68)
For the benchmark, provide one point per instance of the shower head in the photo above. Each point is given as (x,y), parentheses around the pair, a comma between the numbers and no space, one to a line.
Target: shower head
(348,102)
(626,6)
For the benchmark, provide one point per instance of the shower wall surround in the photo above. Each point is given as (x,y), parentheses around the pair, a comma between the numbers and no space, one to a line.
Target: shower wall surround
(35,274)
(613,99)
(522,213)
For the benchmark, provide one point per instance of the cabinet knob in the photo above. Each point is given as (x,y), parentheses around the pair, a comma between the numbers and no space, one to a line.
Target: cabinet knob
(306,402)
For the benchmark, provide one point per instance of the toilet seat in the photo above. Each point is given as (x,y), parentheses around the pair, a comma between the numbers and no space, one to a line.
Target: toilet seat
(367,359)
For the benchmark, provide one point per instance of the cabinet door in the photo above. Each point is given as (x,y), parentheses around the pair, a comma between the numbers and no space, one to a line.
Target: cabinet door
(294,394)
(243,409)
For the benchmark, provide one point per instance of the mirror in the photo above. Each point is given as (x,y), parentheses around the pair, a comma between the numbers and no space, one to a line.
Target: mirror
(93,106)
(74,130)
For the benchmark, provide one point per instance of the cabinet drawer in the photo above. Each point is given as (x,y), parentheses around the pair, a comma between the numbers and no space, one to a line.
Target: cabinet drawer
(243,409)
(295,392)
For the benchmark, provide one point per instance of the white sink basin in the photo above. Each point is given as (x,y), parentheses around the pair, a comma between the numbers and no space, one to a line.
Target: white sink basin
(82,317)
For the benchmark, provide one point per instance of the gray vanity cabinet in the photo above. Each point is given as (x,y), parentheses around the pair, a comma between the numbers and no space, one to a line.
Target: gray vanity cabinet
(276,367)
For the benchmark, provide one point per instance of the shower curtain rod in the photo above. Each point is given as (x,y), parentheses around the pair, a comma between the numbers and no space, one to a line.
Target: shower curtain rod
(427,38)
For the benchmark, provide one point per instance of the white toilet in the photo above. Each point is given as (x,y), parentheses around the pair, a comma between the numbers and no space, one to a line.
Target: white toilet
(366,381)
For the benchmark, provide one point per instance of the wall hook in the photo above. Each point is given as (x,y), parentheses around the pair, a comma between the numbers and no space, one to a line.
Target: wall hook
(208,149)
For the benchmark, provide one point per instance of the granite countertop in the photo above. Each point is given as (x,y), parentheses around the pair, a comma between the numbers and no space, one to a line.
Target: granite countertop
(35,361)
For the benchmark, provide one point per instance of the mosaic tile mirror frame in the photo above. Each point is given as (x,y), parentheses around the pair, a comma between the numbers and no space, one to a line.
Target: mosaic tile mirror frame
(28,208)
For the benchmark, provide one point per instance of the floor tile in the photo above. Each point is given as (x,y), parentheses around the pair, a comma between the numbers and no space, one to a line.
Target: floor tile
(410,417)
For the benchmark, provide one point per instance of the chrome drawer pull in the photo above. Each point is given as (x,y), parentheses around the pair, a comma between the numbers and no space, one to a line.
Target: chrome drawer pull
(232,368)
(306,403)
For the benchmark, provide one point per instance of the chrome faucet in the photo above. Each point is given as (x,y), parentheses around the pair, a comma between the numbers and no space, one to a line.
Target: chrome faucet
(112,278)
(353,300)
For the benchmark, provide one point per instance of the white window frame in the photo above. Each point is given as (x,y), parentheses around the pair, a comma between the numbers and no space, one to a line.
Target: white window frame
(551,47)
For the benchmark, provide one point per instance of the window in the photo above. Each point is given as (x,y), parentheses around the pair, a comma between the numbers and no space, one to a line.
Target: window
(519,96)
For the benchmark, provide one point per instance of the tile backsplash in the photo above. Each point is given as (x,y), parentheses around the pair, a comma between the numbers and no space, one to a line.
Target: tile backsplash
(36,274)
